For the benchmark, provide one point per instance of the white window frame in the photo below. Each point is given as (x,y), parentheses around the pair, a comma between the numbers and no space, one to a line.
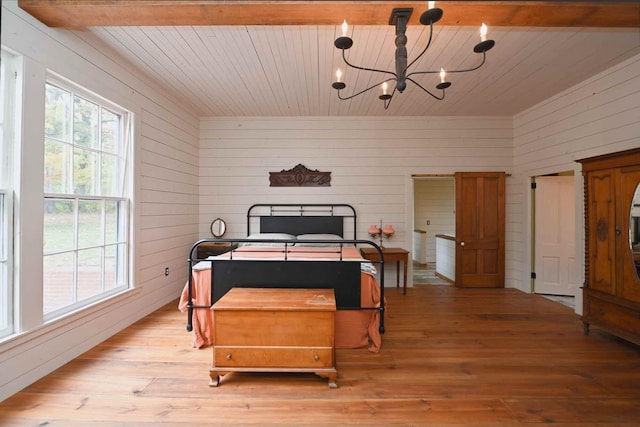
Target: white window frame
(10,68)
(124,198)
(6,264)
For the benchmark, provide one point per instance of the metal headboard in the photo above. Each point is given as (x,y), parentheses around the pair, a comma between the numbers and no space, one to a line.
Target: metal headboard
(301,218)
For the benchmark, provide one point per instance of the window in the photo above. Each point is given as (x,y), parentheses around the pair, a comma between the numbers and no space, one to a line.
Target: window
(86,198)
(8,76)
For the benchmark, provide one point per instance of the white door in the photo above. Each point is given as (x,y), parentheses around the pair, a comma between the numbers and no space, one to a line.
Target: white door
(554,261)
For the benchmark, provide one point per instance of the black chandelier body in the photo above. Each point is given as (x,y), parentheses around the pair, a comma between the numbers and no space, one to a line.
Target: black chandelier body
(399,18)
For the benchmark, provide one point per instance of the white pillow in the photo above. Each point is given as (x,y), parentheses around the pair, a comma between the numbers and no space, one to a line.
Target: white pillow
(302,237)
(319,237)
(270,236)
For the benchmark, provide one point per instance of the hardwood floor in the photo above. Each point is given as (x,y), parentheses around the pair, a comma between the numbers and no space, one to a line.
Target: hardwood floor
(450,356)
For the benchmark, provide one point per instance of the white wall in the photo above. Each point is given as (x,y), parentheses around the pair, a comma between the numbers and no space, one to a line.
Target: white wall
(166,206)
(598,116)
(371,161)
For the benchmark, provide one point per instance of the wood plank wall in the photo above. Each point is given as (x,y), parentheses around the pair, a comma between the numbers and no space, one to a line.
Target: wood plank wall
(600,115)
(166,211)
(371,161)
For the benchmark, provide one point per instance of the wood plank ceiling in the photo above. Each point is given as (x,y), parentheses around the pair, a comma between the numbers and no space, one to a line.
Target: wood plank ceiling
(258,58)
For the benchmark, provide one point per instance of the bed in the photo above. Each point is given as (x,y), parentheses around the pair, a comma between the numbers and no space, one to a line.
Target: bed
(293,246)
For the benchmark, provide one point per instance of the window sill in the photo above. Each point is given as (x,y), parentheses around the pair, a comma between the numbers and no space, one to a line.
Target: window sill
(51,326)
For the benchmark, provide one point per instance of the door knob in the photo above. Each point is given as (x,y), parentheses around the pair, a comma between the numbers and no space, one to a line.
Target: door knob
(461,243)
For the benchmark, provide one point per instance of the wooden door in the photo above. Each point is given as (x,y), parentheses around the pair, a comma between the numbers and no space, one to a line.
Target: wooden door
(480,212)
(628,250)
(555,231)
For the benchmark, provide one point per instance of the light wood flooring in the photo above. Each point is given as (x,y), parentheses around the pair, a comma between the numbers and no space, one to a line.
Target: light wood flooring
(475,357)
(426,275)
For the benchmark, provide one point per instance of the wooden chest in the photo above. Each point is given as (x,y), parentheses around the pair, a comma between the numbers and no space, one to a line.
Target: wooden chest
(274,330)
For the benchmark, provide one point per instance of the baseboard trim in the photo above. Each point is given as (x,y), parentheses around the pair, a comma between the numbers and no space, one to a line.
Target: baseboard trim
(453,282)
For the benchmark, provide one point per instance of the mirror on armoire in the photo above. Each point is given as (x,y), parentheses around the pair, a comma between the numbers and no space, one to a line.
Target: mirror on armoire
(634,229)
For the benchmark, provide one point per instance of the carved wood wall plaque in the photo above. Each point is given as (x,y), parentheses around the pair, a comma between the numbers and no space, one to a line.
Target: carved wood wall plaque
(299,176)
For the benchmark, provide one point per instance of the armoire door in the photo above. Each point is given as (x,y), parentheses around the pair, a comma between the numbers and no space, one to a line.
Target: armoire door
(602,227)
(480,228)
(627,233)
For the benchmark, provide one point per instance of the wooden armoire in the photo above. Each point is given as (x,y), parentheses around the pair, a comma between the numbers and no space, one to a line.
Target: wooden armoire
(612,243)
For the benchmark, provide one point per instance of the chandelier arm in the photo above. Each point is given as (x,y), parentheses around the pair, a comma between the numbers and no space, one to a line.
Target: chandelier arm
(366,69)
(425,49)
(484,59)
(439,98)
(363,91)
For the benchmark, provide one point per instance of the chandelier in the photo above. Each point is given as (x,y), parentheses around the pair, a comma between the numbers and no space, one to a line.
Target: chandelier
(399,18)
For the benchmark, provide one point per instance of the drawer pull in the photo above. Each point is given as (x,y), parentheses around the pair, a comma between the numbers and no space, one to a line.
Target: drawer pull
(316,357)
(228,357)
(601,312)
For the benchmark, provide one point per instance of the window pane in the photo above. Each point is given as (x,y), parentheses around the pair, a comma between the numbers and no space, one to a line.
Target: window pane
(110,267)
(58,231)
(56,167)
(4,303)
(57,113)
(58,287)
(115,222)
(90,231)
(2,235)
(85,170)
(89,273)
(111,123)
(85,123)
(111,222)
(121,265)
(110,175)
(3,95)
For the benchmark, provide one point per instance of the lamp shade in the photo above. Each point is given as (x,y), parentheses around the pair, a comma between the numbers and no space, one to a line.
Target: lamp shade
(373,230)
(388,230)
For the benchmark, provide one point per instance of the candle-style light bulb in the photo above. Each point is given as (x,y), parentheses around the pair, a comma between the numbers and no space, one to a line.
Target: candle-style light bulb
(384,88)
(345,28)
(443,74)
(338,74)
(432,4)
(483,32)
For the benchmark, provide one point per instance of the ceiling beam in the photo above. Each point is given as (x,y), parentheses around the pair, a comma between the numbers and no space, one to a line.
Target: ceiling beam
(96,13)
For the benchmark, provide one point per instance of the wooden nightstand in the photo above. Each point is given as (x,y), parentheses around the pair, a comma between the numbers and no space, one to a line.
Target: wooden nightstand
(214,248)
(390,254)
(274,330)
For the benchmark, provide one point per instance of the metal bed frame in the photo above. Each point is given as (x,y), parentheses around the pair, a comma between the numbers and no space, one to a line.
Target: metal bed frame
(343,276)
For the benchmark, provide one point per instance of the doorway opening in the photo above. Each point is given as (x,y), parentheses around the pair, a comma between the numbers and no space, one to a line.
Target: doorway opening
(433,215)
